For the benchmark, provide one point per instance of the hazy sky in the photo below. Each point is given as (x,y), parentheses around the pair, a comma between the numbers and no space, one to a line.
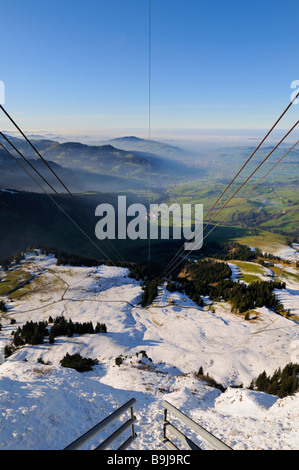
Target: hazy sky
(83,66)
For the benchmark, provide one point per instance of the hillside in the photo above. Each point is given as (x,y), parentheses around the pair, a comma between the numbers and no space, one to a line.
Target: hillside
(42,222)
(88,161)
(232,157)
(132,143)
(46,406)
(76,180)
(266,217)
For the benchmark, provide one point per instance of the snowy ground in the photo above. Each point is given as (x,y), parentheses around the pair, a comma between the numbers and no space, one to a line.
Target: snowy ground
(289,253)
(46,406)
(289,296)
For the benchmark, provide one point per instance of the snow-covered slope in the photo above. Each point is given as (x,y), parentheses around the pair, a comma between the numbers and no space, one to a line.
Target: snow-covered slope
(46,406)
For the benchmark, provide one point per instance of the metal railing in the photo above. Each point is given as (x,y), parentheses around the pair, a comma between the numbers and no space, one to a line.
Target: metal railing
(167,426)
(105,422)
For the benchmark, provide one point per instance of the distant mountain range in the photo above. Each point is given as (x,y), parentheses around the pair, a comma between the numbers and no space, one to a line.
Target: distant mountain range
(135,144)
(128,163)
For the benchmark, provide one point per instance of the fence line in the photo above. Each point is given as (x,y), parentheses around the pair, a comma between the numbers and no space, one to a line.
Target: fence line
(214,441)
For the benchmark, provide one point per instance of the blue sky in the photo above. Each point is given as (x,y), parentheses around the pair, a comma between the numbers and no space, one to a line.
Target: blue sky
(83,66)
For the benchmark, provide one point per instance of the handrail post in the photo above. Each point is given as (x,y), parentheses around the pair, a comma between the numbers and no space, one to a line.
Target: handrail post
(164,422)
(132,418)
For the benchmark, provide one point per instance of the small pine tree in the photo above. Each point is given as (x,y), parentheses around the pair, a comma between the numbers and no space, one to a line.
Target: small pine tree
(118,360)
(37,337)
(262,382)
(100,328)
(51,337)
